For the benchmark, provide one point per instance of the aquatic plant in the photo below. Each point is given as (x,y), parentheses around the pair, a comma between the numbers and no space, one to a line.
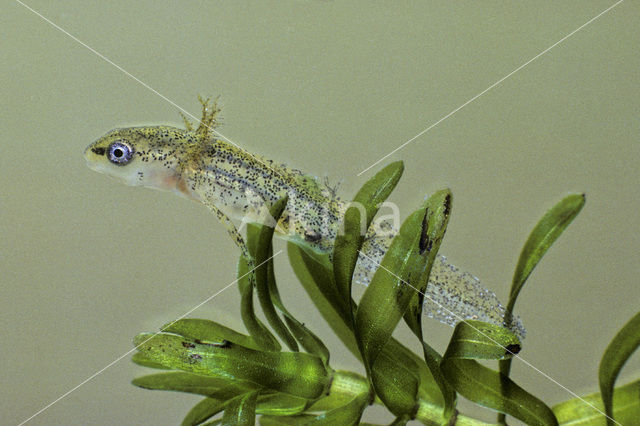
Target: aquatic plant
(245,376)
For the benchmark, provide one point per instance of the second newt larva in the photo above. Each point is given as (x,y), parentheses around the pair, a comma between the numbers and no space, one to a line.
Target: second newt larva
(194,164)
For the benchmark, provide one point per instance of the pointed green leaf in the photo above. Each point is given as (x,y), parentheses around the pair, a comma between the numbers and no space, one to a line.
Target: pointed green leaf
(317,280)
(305,337)
(217,387)
(258,331)
(208,331)
(385,301)
(202,411)
(142,360)
(403,358)
(344,385)
(393,285)
(295,373)
(259,241)
(395,384)
(433,228)
(482,340)
(241,410)
(348,414)
(581,411)
(623,345)
(280,404)
(548,229)
(438,208)
(477,340)
(356,222)
(222,389)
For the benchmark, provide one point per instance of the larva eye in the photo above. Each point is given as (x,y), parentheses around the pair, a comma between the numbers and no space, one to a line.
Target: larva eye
(119,153)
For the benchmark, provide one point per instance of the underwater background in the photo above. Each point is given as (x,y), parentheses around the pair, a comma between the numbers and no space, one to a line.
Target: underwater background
(328,87)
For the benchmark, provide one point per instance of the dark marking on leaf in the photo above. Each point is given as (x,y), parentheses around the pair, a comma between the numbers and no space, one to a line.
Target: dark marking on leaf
(424,244)
(447,205)
(188,345)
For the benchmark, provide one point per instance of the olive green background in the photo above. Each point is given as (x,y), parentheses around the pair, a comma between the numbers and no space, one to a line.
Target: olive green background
(328,87)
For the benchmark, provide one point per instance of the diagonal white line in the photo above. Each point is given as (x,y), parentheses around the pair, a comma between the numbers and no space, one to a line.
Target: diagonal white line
(67,393)
(572,393)
(493,85)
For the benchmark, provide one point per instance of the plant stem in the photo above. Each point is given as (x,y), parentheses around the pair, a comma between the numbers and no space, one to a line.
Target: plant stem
(347,383)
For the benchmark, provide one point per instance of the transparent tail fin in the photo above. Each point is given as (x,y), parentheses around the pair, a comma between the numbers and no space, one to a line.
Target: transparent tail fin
(452,294)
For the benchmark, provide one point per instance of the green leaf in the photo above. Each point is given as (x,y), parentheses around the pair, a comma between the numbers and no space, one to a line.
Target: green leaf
(344,385)
(438,211)
(142,360)
(388,295)
(258,331)
(548,229)
(241,410)
(222,389)
(317,279)
(481,340)
(203,410)
(387,298)
(432,230)
(295,373)
(347,244)
(623,345)
(348,414)
(259,241)
(305,337)
(477,340)
(581,411)
(395,384)
(280,404)
(208,331)
(217,387)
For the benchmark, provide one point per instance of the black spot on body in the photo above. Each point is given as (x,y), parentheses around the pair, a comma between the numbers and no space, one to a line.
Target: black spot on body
(312,236)
(512,349)
(425,243)
(98,150)
(188,345)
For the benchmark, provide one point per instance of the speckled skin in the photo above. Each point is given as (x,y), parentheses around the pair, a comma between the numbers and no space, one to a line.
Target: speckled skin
(236,184)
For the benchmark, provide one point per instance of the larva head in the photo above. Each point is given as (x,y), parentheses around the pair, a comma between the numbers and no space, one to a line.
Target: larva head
(146,156)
